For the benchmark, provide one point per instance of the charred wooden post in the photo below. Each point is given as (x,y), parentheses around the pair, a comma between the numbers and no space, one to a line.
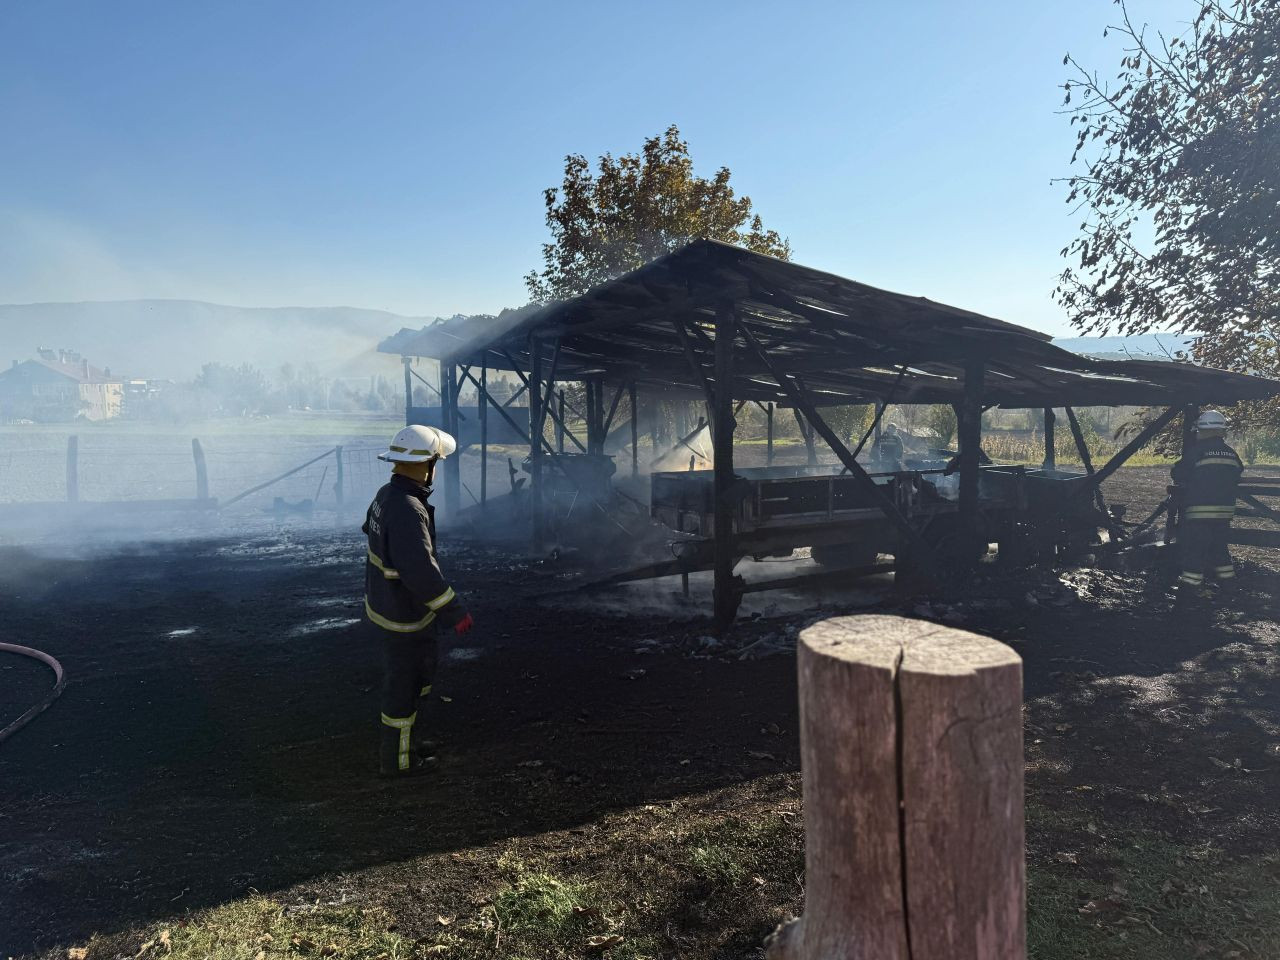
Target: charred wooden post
(633,398)
(912,764)
(560,423)
(535,445)
(1190,414)
(726,595)
(806,434)
(768,416)
(1087,459)
(202,469)
(1050,441)
(970,430)
(482,403)
(1121,457)
(73,468)
(408,389)
(449,413)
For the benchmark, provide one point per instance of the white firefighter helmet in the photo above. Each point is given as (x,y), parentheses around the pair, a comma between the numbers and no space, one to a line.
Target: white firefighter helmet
(1211,421)
(891,430)
(418,444)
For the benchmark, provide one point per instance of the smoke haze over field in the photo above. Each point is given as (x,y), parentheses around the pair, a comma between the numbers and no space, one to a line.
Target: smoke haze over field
(173,338)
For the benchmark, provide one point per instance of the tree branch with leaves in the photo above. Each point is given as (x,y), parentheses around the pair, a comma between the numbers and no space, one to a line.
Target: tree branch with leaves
(635,208)
(1180,191)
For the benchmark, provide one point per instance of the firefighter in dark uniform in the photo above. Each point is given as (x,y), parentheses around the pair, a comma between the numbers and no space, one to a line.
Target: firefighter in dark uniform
(1207,476)
(406,595)
(889,450)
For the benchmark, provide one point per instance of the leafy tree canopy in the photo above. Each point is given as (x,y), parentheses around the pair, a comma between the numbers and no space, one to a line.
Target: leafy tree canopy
(634,208)
(1181,186)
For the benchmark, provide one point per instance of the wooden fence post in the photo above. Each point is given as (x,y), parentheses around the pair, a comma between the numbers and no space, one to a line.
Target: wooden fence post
(339,480)
(73,468)
(202,470)
(911,745)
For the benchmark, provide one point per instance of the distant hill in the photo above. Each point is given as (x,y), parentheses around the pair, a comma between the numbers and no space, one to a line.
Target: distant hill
(1151,346)
(173,338)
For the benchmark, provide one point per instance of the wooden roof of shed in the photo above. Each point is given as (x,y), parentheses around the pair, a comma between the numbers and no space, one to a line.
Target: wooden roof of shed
(848,342)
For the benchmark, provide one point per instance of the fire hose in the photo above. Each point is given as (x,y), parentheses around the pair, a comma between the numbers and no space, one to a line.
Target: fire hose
(60,681)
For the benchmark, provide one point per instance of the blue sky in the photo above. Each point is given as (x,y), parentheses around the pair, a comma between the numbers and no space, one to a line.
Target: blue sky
(392,154)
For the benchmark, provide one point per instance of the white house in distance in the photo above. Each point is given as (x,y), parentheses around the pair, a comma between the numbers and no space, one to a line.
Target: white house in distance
(59,385)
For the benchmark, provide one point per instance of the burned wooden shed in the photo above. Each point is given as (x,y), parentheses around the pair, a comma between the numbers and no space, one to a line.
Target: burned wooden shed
(732,327)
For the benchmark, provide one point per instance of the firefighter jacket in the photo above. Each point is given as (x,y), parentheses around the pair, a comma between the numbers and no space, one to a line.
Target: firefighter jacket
(404,590)
(889,447)
(1208,474)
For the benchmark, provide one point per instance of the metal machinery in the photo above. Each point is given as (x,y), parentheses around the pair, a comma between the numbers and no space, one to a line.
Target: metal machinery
(779,509)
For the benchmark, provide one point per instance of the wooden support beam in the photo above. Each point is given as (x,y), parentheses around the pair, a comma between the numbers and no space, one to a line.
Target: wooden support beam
(725,590)
(535,446)
(1050,440)
(970,436)
(1087,459)
(1190,414)
(482,401)
(921,552)
(634,398)
(912,766)
(1133,446)
(696,366)
(449,399)
(557,417)
(560,423)
(500,408)
(806,434)
(613,409)
(768,415)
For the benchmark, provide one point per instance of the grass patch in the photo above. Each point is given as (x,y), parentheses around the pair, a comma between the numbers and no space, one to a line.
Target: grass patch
(730,854)
(258,929)
(1134,895)
(545,907)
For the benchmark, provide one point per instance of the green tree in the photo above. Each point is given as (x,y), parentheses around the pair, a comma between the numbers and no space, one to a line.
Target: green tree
(239,391)
(634,208)
(941,419)
(1180,188)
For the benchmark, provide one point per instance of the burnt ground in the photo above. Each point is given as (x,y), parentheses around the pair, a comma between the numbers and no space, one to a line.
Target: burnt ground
(216,738)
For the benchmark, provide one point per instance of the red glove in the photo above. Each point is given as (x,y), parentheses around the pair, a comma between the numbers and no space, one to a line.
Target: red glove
(464,625)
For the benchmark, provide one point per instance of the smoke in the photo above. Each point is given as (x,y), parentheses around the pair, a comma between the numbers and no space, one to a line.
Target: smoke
(173,339)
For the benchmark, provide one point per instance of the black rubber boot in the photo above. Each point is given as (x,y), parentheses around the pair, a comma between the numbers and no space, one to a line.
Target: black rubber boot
(396,756)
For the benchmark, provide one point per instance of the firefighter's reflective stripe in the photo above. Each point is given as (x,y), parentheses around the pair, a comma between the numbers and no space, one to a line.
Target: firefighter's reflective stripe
(1195,579)
(388,572)
(425,691)
(394,625)
(1224,573)
(405,726)
(441,600)
(1217,462)
(1205,511)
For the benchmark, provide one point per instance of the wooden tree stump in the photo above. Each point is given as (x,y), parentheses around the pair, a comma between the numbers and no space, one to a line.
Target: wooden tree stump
(911,743)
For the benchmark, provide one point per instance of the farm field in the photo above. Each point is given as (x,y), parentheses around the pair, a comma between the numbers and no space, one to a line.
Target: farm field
(600,775)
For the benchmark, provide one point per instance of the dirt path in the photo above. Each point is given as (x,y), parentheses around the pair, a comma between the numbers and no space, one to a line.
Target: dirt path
(217,732)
